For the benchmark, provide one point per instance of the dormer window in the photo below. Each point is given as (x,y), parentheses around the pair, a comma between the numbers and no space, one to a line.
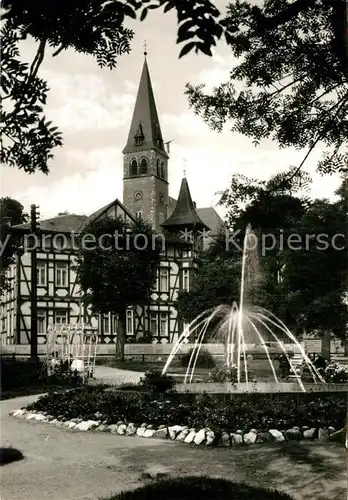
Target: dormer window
(139,136)
(133,167)
(143,166)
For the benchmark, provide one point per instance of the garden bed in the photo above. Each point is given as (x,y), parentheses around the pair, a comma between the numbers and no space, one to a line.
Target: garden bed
(242,418)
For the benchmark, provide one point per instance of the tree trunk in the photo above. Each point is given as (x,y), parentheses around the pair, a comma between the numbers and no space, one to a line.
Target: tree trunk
(326,345)
(121,335)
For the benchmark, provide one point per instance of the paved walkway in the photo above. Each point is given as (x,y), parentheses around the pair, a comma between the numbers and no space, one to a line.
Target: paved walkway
(61,464)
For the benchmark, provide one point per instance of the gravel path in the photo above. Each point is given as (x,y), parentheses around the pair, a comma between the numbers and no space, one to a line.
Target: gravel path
(61,464)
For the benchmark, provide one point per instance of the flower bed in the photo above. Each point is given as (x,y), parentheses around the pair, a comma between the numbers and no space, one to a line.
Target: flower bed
(248,418)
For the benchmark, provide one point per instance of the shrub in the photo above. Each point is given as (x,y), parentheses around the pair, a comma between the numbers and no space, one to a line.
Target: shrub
(225,374)
(204,360)
(336,373)
(204,488)
(8,455)
(155,381)
(22,374)
(17,373)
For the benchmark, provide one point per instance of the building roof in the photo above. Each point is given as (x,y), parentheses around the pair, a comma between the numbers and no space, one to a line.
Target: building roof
(59,224)
(145,123)
(88,220)
(209,216)
(184,214)
(72,222)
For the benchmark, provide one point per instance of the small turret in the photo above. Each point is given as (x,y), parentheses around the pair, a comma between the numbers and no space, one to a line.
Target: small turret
(184,216)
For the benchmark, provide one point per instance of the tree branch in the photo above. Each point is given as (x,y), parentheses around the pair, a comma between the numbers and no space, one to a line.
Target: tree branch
(59,50)
(340,104)
(287,14)
(34,68)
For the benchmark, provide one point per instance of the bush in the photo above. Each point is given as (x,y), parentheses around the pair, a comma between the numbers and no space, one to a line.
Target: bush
(9,455)
(336,373)
(22,377)
(229,412)
(204,488)
(20,373)
(155,382)
(225,374)
(204,360)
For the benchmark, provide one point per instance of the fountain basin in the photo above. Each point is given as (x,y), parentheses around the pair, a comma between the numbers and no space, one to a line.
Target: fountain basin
(263,387)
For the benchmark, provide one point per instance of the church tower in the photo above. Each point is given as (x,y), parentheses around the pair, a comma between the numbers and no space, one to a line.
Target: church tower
(145,160)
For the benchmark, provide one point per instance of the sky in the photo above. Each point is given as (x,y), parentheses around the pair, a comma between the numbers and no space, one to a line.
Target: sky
(93,109)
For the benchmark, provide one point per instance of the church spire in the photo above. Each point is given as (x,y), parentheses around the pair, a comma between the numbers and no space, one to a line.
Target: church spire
(145,131)
(184,215)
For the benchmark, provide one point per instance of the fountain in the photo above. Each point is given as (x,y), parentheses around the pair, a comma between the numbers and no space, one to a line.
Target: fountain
(237,325)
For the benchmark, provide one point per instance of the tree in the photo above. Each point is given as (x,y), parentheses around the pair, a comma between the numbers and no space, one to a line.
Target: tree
(11,214)
(315,271)
(94,27)
(302,280)
(215,282)
(292,60)
(117,268)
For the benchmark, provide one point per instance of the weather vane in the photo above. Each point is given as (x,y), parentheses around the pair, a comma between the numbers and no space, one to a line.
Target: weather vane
(185,160)
(145,48)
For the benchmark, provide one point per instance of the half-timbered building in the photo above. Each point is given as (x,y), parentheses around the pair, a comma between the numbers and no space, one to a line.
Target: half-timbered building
(146,195)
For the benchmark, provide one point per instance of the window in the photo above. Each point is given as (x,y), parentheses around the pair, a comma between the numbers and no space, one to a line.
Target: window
(61,317)
(143,166)
(130,322)
(46,241)
(61,274)
(59,242)
(163,173)
(139,215)
(41,273)
(164,280)
(164,325)
(41,322)
(106,324)
(133,167)
(154,323)
(10,323)
(139,136)
(158,171)
(186,280)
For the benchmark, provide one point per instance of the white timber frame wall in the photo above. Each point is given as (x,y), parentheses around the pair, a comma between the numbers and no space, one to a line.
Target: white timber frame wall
(59,296)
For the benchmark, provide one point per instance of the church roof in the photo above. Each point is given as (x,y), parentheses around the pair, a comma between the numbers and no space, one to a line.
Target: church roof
(145,131)
(184,214)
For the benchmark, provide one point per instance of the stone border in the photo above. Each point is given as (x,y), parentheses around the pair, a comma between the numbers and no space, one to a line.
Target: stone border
(184,434)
